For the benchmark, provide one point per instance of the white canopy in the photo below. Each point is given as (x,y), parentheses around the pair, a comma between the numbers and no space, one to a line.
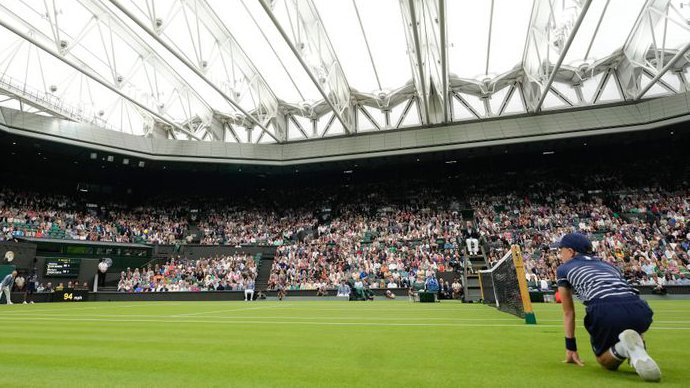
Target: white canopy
(266,71)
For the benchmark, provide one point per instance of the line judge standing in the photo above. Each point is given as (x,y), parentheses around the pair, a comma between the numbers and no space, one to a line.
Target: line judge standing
(6,286)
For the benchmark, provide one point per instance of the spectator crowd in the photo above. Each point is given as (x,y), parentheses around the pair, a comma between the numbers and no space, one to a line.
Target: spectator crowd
(219,273)
(387,234)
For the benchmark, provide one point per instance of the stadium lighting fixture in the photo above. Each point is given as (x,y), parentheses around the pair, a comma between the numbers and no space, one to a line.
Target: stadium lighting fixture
(347,172)
(548,152)
(125,161)
(94,156)
(141,163)
(451,161)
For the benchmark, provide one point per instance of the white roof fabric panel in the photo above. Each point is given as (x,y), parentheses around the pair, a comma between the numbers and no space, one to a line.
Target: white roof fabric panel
(190,68)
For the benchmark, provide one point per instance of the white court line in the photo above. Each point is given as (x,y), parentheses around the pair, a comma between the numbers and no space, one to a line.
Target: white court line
(18,312)
(222,311)
(29,315)
(377,308)
(62,310)
(240,320)
(262,322)
(473,309)
(38,315)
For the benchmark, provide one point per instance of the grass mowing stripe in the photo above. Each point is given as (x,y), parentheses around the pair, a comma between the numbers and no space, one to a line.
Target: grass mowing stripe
(222,311)
(64,308)
(240,320)
(37,315)
(32,315)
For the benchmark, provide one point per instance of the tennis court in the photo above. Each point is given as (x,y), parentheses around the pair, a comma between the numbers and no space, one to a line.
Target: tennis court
(311,343)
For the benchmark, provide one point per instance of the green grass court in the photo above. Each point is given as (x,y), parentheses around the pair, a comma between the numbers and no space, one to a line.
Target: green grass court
(313,343)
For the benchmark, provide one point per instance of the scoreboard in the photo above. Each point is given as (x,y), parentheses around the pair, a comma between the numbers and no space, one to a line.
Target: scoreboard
(62,268)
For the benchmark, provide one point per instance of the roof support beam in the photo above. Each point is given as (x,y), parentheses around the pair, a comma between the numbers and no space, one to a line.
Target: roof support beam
(467,105)
(191,66)
(560,95)
(596,29)
(663,70)
(425,28)
(327,73)
(194,107)
(619,85)
(552,29)
(661,82)
(416,53)
(366,42)
(405,112)
(443,31)
(684,85)
(641,45)
(600,88)
(298,126)
(267,102)
(86,70)
(226,64)
(507,98)
(116,78)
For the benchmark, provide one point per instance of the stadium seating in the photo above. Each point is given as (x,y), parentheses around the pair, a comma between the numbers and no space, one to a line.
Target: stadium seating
(389,233)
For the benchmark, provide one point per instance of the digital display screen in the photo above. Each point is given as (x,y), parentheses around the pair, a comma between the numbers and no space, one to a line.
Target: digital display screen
(71,296)
(62,268)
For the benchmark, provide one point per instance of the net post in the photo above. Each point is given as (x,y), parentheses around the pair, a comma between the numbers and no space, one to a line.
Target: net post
(530,318)
(481,286)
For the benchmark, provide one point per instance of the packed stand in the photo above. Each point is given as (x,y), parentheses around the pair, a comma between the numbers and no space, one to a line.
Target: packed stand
(34,215)
(220,273)
(385,244)
(392,234)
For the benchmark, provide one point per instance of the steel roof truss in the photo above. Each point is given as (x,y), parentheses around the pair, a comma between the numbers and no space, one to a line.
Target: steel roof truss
(309,42)
(155,35)
(151,61)
(408,9)
(560,37)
